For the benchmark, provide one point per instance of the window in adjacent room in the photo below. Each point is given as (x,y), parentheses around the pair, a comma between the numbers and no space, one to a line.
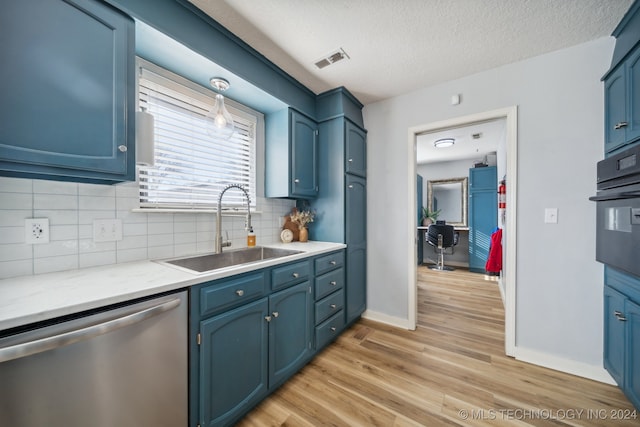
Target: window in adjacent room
(192,167)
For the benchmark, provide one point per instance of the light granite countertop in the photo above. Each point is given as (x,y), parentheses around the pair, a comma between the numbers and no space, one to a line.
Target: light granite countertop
(28,299)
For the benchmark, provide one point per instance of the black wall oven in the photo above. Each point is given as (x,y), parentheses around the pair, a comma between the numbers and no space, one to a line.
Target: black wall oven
(618,211)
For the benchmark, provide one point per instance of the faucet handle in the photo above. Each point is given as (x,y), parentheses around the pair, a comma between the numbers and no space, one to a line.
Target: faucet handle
(227,242)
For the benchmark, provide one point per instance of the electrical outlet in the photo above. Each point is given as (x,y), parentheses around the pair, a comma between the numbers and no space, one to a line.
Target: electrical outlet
(36,231)
(107,230)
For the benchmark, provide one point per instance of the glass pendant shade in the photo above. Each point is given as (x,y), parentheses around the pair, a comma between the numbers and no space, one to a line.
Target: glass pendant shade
(219,121)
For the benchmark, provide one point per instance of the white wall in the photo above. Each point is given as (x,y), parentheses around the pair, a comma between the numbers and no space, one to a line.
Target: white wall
(560,139)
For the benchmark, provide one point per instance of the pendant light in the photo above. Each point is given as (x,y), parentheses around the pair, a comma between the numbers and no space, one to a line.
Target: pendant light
(219,122)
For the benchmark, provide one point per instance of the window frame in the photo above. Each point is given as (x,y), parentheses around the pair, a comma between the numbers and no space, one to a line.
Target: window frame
(177,82)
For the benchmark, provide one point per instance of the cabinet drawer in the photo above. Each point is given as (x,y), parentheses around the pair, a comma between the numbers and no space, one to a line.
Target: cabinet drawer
(330,329)
(328,283)
(328,306)
(290,274)
(226,294)
(329,262)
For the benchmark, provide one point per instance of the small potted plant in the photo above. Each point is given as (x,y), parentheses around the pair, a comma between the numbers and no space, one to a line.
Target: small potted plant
(429,217)
(302,218)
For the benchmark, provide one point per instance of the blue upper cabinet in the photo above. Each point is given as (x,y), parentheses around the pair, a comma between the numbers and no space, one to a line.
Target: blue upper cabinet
(291,151)
(622,103)
(356,146)
(622,86)
(68,91)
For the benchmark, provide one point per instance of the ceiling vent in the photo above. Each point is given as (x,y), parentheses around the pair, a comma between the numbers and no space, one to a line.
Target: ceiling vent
(332,58)
(476,135)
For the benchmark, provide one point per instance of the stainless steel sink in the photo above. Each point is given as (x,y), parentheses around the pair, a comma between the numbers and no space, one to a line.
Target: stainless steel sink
(209,262)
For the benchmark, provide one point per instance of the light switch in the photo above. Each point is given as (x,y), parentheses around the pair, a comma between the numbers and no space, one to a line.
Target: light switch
(107,230)
(551,215)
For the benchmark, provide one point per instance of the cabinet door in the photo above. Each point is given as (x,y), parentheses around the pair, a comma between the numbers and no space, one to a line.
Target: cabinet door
(614,334)
(233,363)
(356,240)
(304,153)
(483,215)
(356,150)
(68,91)
(290,330)
(483,179)
(633,96)
(614,110)
(632,367)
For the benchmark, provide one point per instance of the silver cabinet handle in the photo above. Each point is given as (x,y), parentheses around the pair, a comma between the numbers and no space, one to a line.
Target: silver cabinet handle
(275,314)
(296,180)
(332,262)
(350,185)
(620,125)
(333,329)
(621,317)
(49,343)
(333,283)
(350,160)
(267,318)
(333,306)
(122,148)
(295,275)
(240,292)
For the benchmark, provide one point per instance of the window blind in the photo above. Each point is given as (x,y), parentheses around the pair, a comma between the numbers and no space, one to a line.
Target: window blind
(192,167)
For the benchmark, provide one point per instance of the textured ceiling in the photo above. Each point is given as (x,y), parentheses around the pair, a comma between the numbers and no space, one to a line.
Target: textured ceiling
(397,46)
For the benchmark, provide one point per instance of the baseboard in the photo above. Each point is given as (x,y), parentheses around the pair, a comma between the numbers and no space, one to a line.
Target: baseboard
(596,373)
(386,319)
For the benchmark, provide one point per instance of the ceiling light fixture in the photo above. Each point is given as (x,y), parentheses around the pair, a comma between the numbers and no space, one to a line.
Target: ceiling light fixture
(219,122)
(444,143)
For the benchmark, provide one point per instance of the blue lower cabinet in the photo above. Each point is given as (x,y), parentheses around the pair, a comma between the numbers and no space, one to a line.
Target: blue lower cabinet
(614,335)
(622,332)
(290,331)
(632,367)
(233,363)
(251,332)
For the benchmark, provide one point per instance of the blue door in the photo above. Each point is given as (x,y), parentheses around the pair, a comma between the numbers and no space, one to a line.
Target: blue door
(233,363)
(290,331)
(304,156)
(483,215)
(614,334)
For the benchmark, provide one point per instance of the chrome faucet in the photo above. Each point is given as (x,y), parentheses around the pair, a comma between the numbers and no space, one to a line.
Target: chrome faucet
(219,242)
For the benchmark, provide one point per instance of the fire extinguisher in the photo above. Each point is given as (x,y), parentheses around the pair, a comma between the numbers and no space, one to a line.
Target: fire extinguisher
(502,200)
(502,194)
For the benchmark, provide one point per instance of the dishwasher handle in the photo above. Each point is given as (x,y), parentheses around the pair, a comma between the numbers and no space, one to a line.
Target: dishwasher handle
(55,341)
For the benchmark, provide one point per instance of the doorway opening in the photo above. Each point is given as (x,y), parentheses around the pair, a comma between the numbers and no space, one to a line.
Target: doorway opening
(509,115)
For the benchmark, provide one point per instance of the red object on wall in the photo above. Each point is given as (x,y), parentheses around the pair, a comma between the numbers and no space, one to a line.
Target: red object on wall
(494,261)
(502,195)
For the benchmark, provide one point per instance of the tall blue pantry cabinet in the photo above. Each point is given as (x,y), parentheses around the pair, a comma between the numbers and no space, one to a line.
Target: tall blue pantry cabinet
(341,204)
(483,214)
(622,131)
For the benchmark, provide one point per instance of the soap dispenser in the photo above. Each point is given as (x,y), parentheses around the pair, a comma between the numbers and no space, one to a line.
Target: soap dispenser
(251,238)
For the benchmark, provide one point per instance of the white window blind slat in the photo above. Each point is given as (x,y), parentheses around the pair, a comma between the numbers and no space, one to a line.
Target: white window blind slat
(191,167)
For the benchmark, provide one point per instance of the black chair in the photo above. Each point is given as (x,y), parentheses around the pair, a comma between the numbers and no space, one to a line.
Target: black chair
(441,237)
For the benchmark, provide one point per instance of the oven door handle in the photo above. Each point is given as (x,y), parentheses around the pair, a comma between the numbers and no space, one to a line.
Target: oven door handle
(616,196)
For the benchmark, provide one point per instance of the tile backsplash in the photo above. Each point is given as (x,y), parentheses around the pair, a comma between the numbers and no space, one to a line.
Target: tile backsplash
(71,209)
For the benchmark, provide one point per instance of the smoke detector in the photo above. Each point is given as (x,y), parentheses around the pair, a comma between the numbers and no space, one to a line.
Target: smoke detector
(332,58)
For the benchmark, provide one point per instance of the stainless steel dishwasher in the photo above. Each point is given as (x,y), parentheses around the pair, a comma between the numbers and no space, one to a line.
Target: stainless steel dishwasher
(123,367)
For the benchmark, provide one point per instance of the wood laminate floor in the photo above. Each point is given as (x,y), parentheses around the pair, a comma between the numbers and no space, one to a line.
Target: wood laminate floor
(451,371)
